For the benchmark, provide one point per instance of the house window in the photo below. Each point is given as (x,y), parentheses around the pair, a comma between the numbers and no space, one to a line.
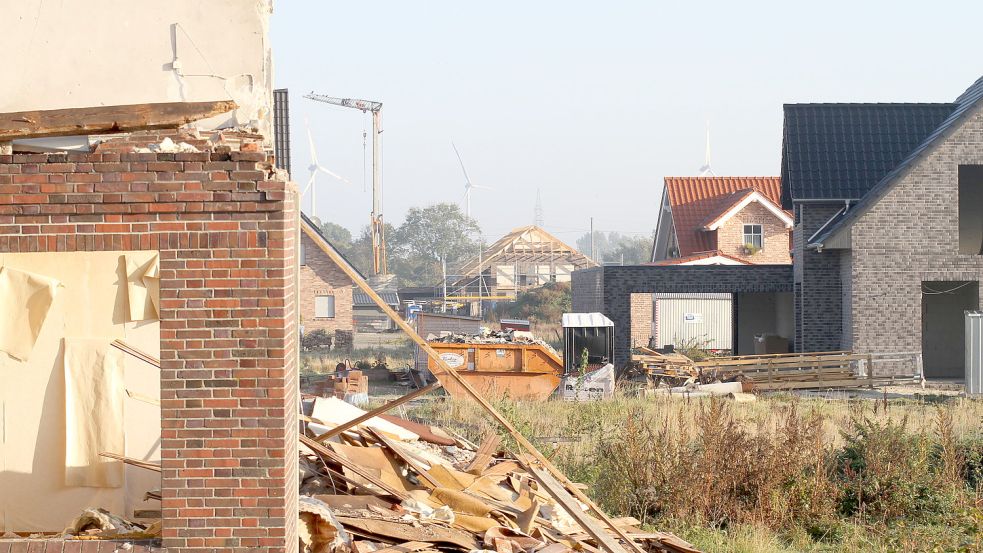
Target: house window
(303,255)
(324,307)
(753,236)
(971,209)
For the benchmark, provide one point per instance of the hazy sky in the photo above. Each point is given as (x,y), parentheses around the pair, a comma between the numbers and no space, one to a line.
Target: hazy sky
(593,103)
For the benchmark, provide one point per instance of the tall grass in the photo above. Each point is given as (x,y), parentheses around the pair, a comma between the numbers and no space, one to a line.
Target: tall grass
(803,474)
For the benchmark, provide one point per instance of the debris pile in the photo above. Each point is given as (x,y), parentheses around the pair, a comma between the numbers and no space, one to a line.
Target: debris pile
(507,336)
(381,486)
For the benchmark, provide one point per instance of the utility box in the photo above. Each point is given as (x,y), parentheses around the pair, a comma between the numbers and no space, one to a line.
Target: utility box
(974,353)
(587,331)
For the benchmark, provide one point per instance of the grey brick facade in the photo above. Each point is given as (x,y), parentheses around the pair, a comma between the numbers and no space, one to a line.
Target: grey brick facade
(608,289)
(910,236)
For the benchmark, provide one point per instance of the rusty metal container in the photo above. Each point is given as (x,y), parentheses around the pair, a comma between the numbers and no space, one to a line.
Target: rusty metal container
(522,370)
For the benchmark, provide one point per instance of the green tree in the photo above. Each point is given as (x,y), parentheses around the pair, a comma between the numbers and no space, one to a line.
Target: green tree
(338,235)
(429,234)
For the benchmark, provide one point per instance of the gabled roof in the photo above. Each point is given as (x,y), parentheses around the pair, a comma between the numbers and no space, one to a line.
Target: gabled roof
(529,242)
(696,200)
(715,257)
(964,103)
(733,203)
(315,233)
(840,151)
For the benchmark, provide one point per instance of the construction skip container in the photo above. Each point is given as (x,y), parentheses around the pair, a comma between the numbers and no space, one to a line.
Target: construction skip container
(974,353)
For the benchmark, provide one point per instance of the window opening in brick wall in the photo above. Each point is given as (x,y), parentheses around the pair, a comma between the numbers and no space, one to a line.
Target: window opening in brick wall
(971,209)
(753,236)
(324,307)
(303,254)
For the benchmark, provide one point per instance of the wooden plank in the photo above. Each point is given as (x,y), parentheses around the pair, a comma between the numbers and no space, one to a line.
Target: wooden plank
(131,461)
(107,119)
(406,458)
(327,453)
(557,492)
(446,372)
(377,411)
(483,457)
(139,354)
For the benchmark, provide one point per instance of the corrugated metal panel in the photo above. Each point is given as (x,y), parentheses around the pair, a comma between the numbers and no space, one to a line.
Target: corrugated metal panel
(585,320)
(695,319)
(974,352)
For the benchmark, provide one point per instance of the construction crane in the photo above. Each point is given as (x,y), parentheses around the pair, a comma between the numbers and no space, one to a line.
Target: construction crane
(377,228)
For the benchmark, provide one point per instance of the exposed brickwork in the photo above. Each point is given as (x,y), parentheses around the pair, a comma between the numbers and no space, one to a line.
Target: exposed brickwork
(730,236)
(320,276)
(887,268)
(226,237)
(618,283)
(641,319)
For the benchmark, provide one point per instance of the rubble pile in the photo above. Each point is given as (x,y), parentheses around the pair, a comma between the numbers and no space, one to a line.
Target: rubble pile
(378,486)
(508,336)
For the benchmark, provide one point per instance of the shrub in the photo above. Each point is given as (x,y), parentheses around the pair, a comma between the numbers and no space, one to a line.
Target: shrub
(316,339)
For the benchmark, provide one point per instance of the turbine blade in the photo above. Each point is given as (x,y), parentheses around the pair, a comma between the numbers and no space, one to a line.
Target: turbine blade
(310,182)
(481,186)
(467,179)
(333,174)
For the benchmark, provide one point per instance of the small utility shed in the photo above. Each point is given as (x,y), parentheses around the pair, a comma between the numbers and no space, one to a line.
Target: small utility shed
(592,332)
(888,201)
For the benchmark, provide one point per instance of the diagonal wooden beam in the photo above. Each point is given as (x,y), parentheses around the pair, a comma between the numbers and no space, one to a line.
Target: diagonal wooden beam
(377,411)
(107,119)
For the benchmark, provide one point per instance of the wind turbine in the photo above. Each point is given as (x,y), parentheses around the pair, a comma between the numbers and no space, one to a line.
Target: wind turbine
(467,184)
(314,167)
(705,170)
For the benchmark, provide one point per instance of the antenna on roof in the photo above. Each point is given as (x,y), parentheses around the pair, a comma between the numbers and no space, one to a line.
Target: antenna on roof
(538,212)
(705,170)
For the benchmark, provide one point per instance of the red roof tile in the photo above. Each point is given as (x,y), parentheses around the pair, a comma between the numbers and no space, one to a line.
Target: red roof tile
(696,199)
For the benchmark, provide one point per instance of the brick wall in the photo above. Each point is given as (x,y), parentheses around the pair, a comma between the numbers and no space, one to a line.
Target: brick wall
(619,283)
(642,306)
(320,276)
(775,250)
(910,236)
(226,237)
(818,301)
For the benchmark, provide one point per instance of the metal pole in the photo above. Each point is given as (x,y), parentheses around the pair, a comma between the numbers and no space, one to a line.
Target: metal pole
(378,247)
(592,256)
(443,265)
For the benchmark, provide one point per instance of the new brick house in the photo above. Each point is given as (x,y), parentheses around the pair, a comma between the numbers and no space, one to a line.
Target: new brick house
(888,204)
(722,221)
(325,289)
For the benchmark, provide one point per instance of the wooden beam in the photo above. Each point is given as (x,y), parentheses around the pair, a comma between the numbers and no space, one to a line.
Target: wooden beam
(139,354)
(556,491)
(446,372)
(377,411)
(131,461)
(107,119)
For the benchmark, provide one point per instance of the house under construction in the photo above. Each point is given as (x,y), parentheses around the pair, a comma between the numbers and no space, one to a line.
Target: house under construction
(527,257)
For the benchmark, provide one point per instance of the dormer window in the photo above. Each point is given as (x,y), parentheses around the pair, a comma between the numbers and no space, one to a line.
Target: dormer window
(753,236)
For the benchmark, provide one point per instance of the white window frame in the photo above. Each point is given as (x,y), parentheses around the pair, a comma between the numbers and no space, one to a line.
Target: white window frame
(324,306)
(749,237)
